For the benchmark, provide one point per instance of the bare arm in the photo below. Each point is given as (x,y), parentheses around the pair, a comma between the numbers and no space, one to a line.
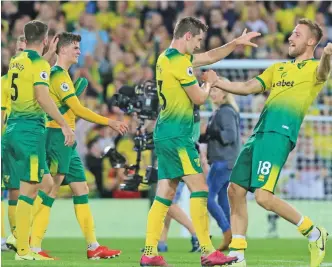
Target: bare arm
(324,67)
(252,86)
(219,53)
(48,105)
(198,95)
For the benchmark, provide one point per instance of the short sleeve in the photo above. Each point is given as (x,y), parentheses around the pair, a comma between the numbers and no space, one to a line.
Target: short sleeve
(41,72)
(183,71)
(4,92)
(266,78)
(62,86)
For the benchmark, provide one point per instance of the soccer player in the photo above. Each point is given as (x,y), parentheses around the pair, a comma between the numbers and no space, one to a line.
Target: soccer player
(64,162)
(13,183)
(173,136)
(294,85)
(24,146)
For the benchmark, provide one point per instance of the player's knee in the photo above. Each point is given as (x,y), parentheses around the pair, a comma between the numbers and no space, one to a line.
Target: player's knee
(47,184)
(264,199)
(232,191)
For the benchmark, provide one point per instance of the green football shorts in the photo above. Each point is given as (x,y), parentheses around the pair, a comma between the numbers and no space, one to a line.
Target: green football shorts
(23,154)
(63,159)
(177,157)
(261,160)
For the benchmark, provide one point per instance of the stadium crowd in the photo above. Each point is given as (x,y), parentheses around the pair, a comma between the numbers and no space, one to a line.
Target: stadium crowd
(120,41)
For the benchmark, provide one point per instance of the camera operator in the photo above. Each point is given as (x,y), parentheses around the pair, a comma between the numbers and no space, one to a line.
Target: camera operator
(223,139)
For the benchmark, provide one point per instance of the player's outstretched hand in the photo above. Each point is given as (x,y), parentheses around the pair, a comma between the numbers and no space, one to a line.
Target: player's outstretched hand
(245,38)
(328,49)
(210,76)
(119,126)
(69,135)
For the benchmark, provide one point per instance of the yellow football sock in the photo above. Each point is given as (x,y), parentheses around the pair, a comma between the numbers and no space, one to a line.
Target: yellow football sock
(37,203)
(12,214)
(3,233)
(85,218)
(305,226)
(41,221)
(155,224)
(200,218)
(23,224)
(238,244)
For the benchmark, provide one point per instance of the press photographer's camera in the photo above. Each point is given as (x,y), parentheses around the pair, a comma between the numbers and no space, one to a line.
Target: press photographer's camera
(141,99)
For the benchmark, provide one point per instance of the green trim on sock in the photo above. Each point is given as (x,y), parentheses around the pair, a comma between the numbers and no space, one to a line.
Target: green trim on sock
(199,194)
(164,201)
(12,202)
(48,201)
(80,199)
(237,249)
(308,231)
(42,194)
(26,199)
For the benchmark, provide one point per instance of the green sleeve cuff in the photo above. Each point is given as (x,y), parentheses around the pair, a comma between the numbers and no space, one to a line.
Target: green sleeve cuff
(3,108)
(68,96)
(39,83)
(188,84)
(262,82)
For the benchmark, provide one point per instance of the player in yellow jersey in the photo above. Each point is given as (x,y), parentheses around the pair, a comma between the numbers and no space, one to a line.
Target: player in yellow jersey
(64,162)
(24,143)
(13,184)
(294,85)
(173,136)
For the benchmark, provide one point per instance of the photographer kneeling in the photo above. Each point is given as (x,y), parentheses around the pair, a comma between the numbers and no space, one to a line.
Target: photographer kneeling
(223,139)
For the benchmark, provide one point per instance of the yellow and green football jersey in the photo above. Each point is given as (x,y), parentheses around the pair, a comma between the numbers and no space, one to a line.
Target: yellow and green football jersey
(174,71)
(5,94)
(61,89)
(27,70)
(294,87)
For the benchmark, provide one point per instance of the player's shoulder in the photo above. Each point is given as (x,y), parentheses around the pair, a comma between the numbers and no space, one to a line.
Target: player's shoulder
(33,56)
(173,55)
(58,73)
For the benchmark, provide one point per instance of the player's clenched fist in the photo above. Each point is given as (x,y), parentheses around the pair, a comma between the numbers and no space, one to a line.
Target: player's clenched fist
(328,49)
(119,126)
(210,76)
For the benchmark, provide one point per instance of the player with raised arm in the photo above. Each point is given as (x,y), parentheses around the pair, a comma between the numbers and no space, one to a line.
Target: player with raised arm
(64,162)
(173,136)
(294,85)
(24,143)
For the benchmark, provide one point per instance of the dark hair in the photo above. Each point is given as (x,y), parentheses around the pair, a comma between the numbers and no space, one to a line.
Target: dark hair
(21,38)
(189,24)
(35,31)
(315,29)
(67,38)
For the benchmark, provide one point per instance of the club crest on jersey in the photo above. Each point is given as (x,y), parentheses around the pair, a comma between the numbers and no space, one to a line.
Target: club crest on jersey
(190,71)
(44,75)
(64,87)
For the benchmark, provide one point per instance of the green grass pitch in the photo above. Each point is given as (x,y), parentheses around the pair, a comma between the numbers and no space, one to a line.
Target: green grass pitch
(261,253)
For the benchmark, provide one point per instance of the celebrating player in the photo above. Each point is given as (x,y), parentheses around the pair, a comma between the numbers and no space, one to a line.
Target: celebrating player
(24,146)
(294,85)
(173,136)
(64,162)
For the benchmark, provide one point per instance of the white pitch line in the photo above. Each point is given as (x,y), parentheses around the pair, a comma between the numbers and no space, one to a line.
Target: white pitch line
(327,264)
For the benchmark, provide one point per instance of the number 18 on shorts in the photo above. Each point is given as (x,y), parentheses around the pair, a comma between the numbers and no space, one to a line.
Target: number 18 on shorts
(261,160)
